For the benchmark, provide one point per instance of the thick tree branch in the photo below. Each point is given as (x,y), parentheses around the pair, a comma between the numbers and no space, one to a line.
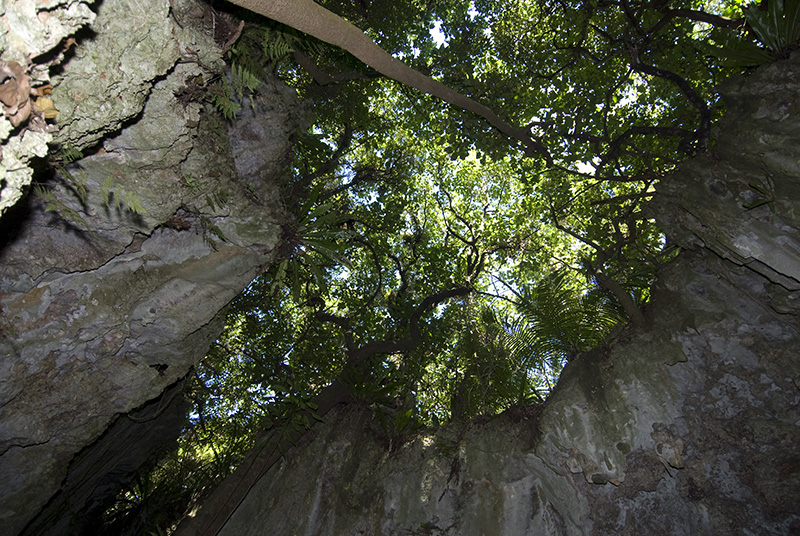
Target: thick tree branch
(633,312)
(699,16)
(320,77)
(414,337)
(313,19)
(704,130)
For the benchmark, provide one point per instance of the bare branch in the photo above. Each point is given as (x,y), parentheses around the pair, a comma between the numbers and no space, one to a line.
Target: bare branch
(704,130)
(633,312)
(362,175)
(342,145)
(621,198)
(343,323)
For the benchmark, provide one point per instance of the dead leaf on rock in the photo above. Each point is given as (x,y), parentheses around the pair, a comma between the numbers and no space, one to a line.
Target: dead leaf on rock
(15,89)
(46,106)
(42,91)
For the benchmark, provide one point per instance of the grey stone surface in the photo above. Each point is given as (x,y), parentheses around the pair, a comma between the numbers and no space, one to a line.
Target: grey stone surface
(97,473)
(105,307)
(30,29)
(109,78)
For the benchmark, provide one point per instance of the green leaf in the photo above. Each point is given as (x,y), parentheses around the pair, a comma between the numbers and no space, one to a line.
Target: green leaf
(756,203)
(735,52)
(319,278)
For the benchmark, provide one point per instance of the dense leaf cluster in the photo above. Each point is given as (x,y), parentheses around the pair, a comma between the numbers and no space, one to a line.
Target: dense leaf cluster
(437,267)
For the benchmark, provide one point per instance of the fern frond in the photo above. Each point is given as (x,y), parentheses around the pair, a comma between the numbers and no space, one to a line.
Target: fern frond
(222,99)
(244,78)
(68,153)
(556,320)
(132,202)
(52,204)
(276,44)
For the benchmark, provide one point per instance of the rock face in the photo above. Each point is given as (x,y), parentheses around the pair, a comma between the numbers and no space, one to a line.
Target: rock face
(690,426)
(108,305)
(97,473)
(28,29)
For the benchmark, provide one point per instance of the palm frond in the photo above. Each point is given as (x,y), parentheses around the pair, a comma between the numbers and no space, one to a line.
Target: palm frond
(555,321)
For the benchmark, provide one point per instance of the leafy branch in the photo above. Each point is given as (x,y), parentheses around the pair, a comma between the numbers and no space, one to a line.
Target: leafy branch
(777,28)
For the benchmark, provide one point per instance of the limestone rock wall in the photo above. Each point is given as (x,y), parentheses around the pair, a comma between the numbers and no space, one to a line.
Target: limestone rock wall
(108,304)
(29,29)
(689,426)
(97,473)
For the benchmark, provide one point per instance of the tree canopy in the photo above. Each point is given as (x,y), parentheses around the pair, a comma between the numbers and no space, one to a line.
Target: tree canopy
(469,206)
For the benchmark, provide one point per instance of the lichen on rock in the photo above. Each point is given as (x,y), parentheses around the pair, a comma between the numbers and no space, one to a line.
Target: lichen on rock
(28,30)
(17,151)
(109,78)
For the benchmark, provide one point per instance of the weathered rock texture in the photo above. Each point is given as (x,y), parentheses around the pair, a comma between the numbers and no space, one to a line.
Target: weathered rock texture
(104,309)
(96,474)
(29,29)
(690,426)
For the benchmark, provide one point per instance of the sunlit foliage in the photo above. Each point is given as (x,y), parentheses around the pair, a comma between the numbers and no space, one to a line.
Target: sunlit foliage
(475,270)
